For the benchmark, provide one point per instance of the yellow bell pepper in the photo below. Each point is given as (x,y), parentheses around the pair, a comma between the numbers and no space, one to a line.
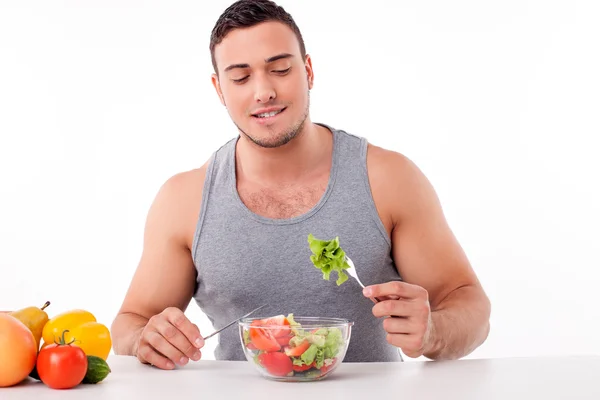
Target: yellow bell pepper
(83,330)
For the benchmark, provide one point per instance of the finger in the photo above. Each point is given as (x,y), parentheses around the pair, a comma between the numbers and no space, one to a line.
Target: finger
(162,345)
(178,340)
(400,326)
(395,288)
(382,298)
(411,345)
(148,355)
(178,319)
(395,308)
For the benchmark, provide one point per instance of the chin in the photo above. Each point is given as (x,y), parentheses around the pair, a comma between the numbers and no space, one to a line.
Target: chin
(268,137)
(272,141)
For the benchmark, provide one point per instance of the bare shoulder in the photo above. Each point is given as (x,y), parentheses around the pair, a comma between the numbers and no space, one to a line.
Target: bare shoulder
(398,185)
(178,201)
(424,248)
(180,186)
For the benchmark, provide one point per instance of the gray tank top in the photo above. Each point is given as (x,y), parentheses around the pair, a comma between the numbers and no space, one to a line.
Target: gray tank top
(245,260)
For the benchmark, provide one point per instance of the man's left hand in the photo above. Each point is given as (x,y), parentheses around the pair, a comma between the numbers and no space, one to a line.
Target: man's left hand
(407,306)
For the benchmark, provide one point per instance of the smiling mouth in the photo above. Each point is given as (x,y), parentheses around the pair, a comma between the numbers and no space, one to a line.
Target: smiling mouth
(269,114)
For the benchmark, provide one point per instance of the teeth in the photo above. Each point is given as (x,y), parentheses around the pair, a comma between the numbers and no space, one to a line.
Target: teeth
(269,114)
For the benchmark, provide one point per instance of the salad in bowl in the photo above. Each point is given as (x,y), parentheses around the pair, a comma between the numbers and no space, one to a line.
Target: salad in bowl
(289,348)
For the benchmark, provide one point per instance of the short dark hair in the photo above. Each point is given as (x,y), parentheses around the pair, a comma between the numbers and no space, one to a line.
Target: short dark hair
(247,13)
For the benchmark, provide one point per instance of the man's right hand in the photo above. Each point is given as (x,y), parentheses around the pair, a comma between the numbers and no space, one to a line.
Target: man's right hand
(169,338)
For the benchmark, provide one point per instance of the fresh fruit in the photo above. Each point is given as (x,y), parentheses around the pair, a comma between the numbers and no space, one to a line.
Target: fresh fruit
(263,339)
(326,367)
(97,370)
(62,365)
(302,368)
(91,336)
(270,334)
(277,364)
(279,326)
(34,318)
(18,350)
(94,338)
(67,320)
(284,340)
(298,350)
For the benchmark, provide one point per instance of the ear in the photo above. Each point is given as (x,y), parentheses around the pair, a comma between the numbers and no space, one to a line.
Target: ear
(217,85)
(309,71)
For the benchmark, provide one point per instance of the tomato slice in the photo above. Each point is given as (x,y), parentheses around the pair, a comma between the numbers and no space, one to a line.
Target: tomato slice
(277,364)
(278,325)
(263,339)
(302,368)
(251,346)
(298,350)
(284,340)
(326,368)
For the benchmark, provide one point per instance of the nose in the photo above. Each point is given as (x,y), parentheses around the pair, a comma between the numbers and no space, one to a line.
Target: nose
(265,91)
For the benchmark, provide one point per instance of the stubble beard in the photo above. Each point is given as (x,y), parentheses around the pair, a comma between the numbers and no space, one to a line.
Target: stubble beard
(283,138)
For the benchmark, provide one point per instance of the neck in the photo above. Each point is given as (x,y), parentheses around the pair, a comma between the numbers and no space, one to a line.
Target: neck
(308,153)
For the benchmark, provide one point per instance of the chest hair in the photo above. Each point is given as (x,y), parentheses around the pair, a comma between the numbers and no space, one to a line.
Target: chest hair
(284,202)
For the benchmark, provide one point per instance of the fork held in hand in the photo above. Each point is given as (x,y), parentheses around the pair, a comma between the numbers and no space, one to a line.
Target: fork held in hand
(352,272)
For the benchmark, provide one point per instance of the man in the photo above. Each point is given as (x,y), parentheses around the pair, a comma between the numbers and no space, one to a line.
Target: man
(232,234)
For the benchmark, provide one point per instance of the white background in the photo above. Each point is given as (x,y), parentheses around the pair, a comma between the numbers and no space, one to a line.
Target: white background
(497,102)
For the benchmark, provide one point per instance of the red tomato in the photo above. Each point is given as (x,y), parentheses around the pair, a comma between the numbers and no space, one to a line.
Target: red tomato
(278,325)
(284,340)
(302,368)
(277,364)
(263,339)
(251,346)
(298,350)
(62,366)
(326,368)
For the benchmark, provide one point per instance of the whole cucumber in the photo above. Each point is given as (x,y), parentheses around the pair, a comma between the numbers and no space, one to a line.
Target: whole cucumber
(97,370)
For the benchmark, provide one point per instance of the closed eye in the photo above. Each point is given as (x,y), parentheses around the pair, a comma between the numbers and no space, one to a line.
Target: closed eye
(241,79)
(282,71)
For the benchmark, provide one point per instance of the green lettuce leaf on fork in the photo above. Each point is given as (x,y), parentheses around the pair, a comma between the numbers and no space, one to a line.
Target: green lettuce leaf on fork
(328,256)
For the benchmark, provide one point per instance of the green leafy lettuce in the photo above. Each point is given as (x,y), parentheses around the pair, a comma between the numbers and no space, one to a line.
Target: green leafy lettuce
(295,327)
(328,256)
(246,337)
(325,344)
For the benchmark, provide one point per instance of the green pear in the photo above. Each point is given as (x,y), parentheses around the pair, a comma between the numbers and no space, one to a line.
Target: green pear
(34,318)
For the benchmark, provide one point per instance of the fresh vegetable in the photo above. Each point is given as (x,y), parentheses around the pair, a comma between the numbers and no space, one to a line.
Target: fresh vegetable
(92,337)
(62,365)
(277,363)
(279,326)
(263,339)
(97,370)
(284,348)
(298,350)
(328,256)
(67,320)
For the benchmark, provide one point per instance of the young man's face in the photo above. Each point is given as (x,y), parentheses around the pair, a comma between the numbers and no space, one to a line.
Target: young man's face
(261,71)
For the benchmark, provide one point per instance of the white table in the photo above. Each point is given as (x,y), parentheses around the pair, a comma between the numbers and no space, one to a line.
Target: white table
(565,378)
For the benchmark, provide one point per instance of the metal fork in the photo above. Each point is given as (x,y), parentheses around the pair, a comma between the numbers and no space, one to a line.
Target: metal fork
(233,322)
(352,272)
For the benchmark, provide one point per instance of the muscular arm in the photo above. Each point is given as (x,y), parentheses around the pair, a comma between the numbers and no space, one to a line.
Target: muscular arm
(427,254)
(165,276)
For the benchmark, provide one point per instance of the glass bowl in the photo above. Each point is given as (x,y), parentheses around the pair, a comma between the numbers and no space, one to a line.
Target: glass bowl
(295,349)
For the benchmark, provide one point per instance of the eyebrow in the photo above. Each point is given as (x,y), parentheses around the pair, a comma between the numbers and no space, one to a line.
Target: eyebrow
(267,61)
